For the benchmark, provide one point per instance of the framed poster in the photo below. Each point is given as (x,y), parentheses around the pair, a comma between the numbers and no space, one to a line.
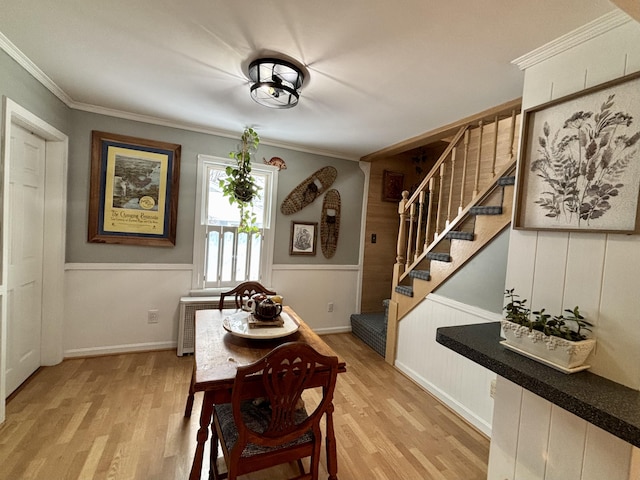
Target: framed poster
(303,238)
(134,190)
(579,166)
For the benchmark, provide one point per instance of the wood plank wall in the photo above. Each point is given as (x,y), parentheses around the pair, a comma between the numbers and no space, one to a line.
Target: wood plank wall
(382,220)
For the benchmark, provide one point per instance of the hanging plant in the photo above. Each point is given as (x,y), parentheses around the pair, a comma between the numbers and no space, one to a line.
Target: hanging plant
(239,185)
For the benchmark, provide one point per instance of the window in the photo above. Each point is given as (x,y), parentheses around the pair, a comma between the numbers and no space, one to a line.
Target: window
(223,256)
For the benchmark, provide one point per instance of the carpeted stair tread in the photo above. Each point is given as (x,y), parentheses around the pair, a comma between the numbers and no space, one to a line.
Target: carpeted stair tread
(456,235)
(440,257)
(486,210)
(404,290)
(504,181)
(371,328)
(420,274)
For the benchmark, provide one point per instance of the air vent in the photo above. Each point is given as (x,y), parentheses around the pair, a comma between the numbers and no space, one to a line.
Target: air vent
(187,325)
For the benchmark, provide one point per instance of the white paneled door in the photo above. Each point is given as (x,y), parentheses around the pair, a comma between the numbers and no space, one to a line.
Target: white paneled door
(25,256)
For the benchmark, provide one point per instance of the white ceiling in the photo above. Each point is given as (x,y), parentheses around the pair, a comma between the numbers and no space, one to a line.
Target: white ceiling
(381,71)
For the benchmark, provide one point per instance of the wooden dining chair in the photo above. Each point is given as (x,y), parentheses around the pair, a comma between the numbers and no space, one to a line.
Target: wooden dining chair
(242,291)
(255,435)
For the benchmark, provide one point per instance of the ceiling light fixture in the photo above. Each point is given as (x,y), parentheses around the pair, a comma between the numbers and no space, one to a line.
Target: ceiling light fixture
(275,83)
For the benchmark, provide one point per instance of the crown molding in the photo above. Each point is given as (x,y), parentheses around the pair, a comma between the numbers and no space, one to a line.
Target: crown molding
(26,63)
(31,68)
(85,107)
(578,36)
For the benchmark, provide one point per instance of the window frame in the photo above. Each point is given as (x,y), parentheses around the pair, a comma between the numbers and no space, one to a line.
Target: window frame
(199,235)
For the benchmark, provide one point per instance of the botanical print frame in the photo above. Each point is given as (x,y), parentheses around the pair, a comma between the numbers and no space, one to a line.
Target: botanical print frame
(579,167)
(303,238)
(134,190)
(392,185)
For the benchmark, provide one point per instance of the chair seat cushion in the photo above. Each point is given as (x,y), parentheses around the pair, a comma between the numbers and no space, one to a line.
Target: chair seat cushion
(257,417)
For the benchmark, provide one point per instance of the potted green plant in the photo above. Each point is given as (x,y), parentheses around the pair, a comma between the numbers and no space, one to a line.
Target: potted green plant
(239,185)
(560,341)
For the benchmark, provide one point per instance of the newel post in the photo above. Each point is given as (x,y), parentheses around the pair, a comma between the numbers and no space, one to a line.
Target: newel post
(398,268)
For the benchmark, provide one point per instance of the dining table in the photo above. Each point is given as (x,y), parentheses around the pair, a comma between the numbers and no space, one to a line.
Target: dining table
(224,341)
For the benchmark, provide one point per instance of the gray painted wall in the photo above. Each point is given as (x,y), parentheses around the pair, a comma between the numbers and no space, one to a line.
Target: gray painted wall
(350,183)
(22,88)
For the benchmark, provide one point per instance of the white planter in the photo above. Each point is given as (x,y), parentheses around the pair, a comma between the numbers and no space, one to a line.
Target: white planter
(559,353)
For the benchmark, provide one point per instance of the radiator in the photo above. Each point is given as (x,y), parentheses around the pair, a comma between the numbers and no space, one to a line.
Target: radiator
(187,325)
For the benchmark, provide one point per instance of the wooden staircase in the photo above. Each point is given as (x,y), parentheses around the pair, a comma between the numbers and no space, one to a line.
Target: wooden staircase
(461,205)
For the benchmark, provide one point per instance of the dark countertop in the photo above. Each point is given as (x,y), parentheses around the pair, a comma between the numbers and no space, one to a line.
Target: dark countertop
(602,402)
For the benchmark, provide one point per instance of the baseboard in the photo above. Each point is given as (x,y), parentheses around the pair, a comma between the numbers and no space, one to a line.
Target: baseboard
(116,349)
(446,399)
(329,331)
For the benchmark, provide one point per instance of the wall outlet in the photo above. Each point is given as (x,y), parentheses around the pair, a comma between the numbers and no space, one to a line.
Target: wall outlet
(152,316)
(330,307)
(492,389)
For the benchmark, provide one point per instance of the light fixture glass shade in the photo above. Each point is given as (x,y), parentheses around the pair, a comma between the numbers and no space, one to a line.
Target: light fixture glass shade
(275,83)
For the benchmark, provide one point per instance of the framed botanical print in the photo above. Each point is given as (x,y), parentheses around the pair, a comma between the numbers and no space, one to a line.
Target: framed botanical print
(579,164)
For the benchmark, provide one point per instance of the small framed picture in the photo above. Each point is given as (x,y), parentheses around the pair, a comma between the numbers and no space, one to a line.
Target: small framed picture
(392,185)
(303,238)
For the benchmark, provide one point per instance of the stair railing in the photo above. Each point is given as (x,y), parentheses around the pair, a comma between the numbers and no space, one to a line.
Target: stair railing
(471,162)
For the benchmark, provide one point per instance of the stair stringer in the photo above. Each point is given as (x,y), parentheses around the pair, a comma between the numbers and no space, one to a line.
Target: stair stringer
(486,228)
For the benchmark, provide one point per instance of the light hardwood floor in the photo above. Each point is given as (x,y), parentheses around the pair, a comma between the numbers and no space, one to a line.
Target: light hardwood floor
(121,417)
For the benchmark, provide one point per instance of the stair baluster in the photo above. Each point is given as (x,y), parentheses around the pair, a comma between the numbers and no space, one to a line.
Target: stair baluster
(512,133)
(495,148)
(419,230)
(463,180)
(451,181)
(427,230)
(476,183)
(440,194)
(412,220)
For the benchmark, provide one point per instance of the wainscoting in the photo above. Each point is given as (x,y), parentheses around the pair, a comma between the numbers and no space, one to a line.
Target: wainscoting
(323,296)
(535,439)
(456,381)
(106,305)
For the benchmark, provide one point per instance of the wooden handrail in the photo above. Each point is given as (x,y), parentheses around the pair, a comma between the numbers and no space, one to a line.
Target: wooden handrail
(505,170)
(426,216)
(436,167)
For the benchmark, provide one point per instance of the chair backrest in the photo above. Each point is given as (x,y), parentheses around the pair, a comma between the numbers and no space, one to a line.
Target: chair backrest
(283,374)
(242,291)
